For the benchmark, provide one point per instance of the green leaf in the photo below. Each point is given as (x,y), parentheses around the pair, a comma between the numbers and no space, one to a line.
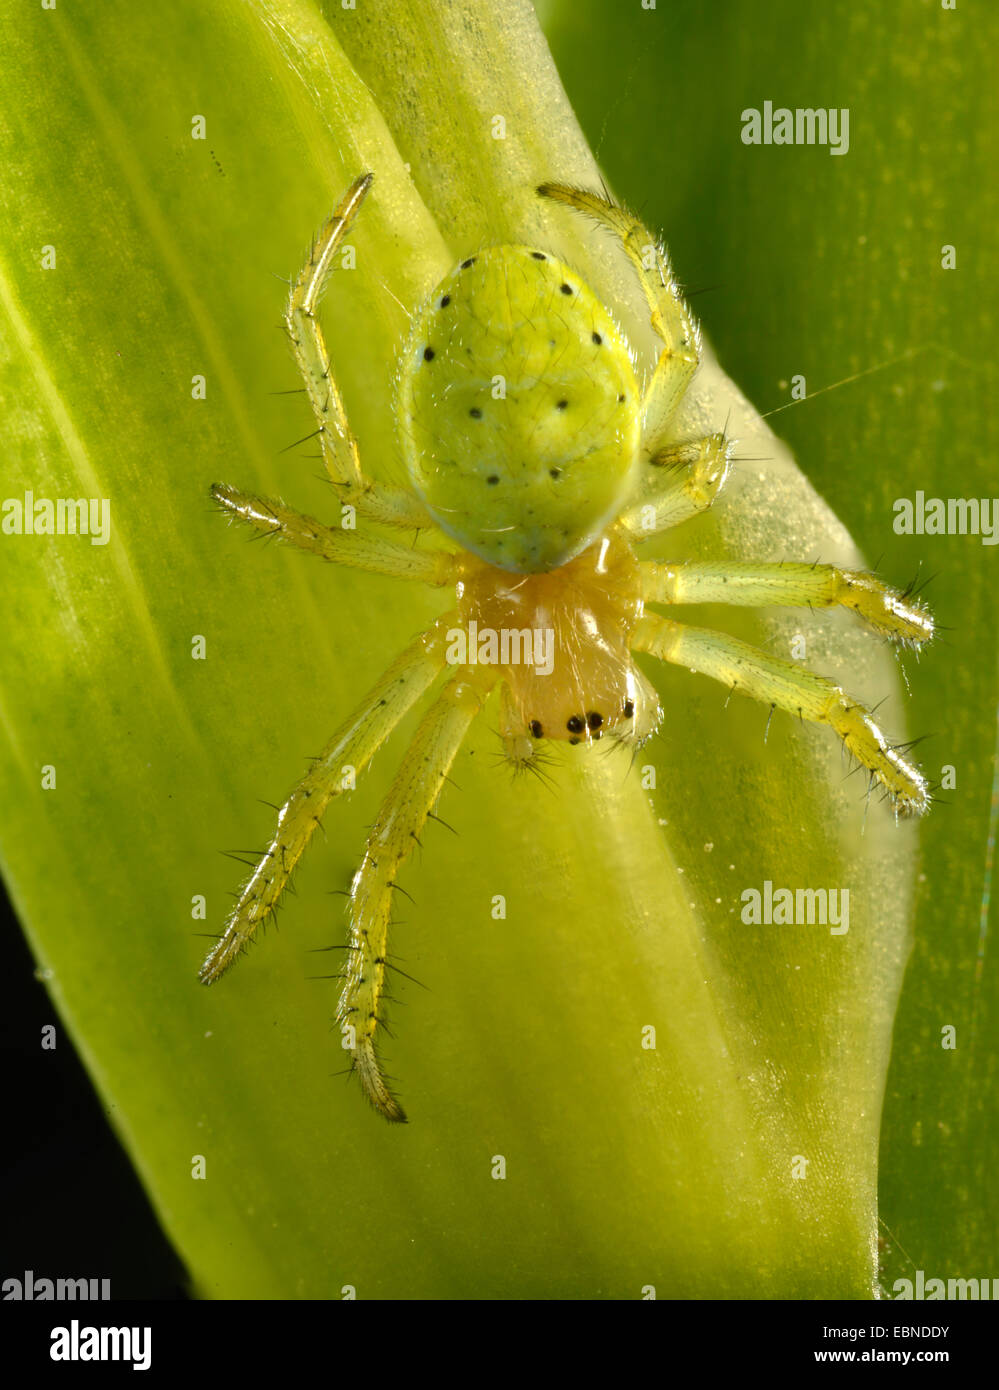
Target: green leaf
(625,1166)
(831,267)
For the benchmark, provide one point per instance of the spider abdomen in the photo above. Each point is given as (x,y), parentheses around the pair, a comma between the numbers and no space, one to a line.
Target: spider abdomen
(519,410)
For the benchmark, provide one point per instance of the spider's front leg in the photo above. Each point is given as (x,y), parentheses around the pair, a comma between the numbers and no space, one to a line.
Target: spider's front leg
(784,685)
(416,787)
(350,749)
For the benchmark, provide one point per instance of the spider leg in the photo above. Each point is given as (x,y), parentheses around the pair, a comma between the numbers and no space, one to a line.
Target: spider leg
(890,613)
(341,546)
(350,748)
(694,474)
(340,452)
(416,787)
(671,319)
(391,506)
(784,685)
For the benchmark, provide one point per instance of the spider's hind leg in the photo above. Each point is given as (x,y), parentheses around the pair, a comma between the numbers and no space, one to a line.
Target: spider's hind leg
(378,502)
(340,453)
(671,320)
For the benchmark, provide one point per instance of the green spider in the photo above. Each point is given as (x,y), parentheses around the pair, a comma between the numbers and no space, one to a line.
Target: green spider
(544,487)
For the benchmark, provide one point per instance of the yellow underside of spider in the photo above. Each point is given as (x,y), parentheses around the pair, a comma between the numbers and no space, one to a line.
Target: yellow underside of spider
(529,442)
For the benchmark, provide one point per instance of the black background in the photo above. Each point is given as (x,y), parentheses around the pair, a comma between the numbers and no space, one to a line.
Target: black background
(73,1208)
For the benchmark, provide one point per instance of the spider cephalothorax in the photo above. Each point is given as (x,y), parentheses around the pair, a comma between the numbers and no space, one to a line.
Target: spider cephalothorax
(529,442)
(582,618)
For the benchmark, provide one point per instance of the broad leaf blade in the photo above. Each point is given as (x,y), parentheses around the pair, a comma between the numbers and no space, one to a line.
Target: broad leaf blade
(625,1166)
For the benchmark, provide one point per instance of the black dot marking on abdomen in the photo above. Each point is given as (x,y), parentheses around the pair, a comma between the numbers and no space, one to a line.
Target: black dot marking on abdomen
(566,289)
(428,354)
(465,264)
(492,479)
(597,339)
(555,472)
(475,413)
(561,405)
(445,301)
(575,724)
(539,255)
